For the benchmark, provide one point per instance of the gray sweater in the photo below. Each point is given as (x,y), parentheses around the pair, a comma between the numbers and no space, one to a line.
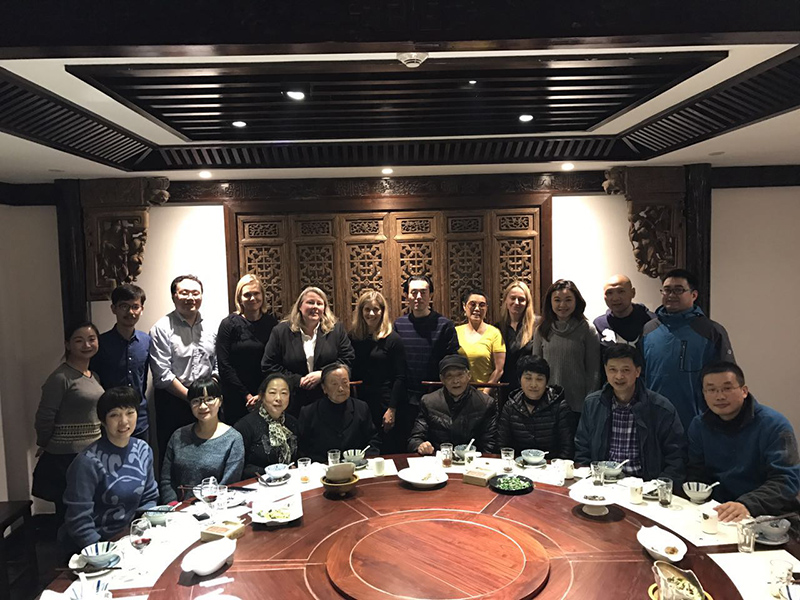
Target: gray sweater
(573,353)
(189,459)
(66,420)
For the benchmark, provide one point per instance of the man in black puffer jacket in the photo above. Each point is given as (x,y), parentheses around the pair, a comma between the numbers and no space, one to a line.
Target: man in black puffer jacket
(537,415)
(456,413)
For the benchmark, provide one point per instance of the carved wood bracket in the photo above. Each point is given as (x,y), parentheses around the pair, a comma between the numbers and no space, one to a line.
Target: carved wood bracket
(116,217)
(655,197)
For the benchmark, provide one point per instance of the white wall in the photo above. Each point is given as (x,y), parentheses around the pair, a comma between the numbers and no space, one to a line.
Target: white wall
(590,244)
(31,344)
(181,239)
(755,286)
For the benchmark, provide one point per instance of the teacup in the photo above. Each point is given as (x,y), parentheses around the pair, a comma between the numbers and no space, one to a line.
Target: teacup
(773,530)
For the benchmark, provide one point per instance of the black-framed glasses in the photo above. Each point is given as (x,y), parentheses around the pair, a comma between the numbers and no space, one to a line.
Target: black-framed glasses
(674,291)
(207,400)
(725,389)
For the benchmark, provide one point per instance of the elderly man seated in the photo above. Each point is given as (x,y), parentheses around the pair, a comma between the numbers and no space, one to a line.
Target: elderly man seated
(746,446)
(626,421)
(456,413)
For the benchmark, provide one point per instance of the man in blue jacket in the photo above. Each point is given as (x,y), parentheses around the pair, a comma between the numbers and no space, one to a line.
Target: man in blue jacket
(679,343)
(626,421)
(749,448)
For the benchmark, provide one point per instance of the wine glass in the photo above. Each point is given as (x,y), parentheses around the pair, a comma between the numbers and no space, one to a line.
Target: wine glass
(140,536)
(207,493)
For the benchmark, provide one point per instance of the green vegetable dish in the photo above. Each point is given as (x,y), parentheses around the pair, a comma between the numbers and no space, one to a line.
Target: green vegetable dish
(512,484)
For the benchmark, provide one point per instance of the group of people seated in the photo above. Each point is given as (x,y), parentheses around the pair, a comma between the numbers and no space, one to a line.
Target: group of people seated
(261,391)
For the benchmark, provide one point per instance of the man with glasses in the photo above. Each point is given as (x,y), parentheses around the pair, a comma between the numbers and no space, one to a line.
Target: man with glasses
(748,447)
(122,359)
(455,413)
(181,352)
(679,342)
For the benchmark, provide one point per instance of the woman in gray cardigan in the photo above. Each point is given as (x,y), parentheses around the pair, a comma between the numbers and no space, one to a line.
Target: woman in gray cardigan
(568,342)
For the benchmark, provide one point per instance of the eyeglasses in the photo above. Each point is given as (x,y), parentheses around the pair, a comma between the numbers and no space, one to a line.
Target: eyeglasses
(474,305)
(189,294)
(725,389)
(676,291)
(125,307)
(207,400)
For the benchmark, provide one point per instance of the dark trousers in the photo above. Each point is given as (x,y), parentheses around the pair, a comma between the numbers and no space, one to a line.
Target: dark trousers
(171,414)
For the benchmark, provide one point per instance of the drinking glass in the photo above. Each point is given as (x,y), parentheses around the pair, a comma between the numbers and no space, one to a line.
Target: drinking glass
(206,492)
(664,491)
(378,466)
(303,465)
(221,501)
(447,455)
(598,473)
(334,457)
(780,575)
(140,538)
(507,454)
(746,535)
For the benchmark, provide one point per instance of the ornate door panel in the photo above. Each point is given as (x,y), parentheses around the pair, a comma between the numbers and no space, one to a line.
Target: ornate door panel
(515,251)
(264,250)
(316,255)
(467,258)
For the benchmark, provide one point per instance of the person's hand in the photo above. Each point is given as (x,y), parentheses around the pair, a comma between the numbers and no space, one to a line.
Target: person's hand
(425,448)
(311,380)
(39,452)
(251,400)
(388,419)
(731,512)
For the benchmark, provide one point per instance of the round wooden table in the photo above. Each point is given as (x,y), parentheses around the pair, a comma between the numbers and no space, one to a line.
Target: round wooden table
(387,540)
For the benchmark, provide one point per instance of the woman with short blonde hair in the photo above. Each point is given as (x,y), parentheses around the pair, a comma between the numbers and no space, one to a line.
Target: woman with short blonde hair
(380,365)
(302,344)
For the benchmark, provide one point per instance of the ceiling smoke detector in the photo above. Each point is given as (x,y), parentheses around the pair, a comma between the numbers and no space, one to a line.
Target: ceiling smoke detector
(412,59)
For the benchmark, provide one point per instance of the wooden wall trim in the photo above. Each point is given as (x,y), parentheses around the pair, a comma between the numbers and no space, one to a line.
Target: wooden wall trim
(755,177)
(71,252)
(698,230)
(39,194)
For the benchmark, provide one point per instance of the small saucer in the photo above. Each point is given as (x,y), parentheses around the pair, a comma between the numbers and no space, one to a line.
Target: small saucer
(523,465)
(274,482)
(762,539)
(359,463)
(78,563)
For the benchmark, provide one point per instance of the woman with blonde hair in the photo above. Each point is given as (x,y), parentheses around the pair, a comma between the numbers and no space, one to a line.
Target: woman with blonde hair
(517,324)
(241,340)
(380,364)
(303,343)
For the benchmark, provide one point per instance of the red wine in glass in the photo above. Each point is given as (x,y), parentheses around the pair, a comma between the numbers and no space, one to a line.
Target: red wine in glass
(140,543)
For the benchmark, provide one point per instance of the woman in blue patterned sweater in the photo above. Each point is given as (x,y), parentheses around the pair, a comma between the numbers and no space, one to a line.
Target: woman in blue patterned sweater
(111,478)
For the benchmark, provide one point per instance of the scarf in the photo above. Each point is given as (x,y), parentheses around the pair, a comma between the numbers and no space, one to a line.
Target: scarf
(279,438)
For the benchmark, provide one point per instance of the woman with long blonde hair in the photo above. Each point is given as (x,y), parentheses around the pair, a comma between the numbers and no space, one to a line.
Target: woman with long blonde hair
(517,324)
(380,364)
(241,340)
(300,345)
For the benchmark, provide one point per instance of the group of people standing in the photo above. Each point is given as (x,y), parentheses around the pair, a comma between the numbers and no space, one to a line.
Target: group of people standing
(260,391)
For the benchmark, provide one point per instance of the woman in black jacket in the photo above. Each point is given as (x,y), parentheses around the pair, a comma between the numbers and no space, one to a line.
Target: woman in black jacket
(537,416)
(301,345)
(270,435)
(337,421)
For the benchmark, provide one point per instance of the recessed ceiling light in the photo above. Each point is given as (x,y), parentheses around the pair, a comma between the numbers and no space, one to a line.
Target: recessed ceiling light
(472,82)
(387,171)
(205,174)
(295,95)
(526,118)
(239,124)
(567,167)
(716,153)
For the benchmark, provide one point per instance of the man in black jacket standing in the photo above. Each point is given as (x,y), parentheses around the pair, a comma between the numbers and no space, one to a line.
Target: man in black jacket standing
(456,413)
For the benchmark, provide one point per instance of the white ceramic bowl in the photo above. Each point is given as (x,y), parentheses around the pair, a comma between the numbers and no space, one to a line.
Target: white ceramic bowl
(611,468)
(158,514)
(461,449)
(661,544)
(353,455)
(533,457)
(99,554)
(209,557)
(276,471)
(774,530)
(697,492)
(423,478)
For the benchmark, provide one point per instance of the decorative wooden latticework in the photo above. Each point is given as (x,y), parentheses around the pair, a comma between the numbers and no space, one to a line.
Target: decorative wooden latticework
(464,272)
(265,261)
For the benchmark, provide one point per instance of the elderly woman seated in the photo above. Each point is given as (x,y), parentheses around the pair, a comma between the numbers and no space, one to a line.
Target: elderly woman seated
(269,433)
(455,413)
(110,479)
(207,448)
(337,421)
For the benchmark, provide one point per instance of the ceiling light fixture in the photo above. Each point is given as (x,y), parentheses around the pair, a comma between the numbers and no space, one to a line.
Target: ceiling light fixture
(472,82)
(205,174)
(526,118)
(295,95)
(412,59)
(567,167)
(239,124)
(387,171)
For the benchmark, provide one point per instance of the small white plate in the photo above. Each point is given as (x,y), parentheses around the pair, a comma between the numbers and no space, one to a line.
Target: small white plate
(78,562)
(422,478)
(656,541)
(283,511)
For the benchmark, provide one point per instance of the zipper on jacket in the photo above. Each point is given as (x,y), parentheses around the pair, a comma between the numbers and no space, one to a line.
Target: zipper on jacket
(682,361)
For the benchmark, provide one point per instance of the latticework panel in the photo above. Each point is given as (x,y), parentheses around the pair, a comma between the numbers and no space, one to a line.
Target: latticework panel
(365,268)
(516,261)
(315,267)
(266,262)
(464,271)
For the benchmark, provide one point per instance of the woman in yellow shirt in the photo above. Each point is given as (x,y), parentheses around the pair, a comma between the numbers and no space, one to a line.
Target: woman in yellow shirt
(480,342)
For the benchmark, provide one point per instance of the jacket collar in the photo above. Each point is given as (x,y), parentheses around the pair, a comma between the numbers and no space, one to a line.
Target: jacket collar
(607,394)
(679,317)
(553,395)
(742,420)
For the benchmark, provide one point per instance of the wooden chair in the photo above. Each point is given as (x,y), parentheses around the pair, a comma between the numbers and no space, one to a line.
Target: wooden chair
(10,513)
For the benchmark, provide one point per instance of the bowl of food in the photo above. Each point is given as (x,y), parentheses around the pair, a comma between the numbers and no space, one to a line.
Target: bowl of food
(774,530)
(611,468)
(533,457)
(99,554)
(698,492)
(461,450)
(158,514)
(353,456)
(673,582)
(422,478)
(276,471)
(661,544)
(339,488)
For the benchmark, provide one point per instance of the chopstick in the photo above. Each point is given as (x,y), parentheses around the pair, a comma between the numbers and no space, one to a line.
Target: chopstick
(88,569)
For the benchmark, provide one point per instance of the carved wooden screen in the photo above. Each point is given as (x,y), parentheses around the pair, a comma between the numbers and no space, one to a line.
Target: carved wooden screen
(346,253)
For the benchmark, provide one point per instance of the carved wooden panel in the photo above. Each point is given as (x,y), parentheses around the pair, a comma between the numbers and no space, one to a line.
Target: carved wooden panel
(267,261)
(365,269)
(471,224)
(262,229)
(315,228)
(115,242)
(464,271)
(315,267)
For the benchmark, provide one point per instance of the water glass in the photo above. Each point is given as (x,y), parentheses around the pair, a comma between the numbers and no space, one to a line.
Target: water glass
(636,490)
(507,454)
(303,465)
(664,491)
(746,535)
(469,457)
(780,575)
(447,455)
(598,473)
(334,457)
(221,501)
(378,466)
